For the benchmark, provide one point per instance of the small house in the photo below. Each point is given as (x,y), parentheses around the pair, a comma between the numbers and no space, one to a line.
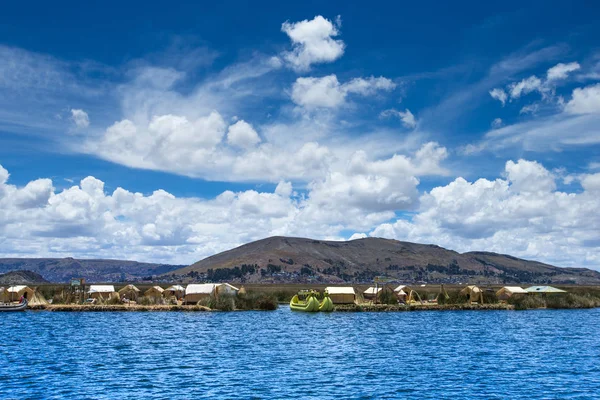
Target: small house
(371,293)
(196,292)
(544,290)
(473,293)
(14,293)
(176,290)
(402,292)
(154,291)
(102,292)
(341,294)
(130,292)
(509,291)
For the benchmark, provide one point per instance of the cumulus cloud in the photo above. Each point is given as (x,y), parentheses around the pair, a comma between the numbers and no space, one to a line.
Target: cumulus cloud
(80,118)
(407,118)
(585,100)
(561,70)
(241,134)
(328,92)
(499,94)
(522,215)
(525,86)
(313,42)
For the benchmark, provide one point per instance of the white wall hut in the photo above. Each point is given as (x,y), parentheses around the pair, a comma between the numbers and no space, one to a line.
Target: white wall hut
(130,292)
(175,290)
(509,291)
(14,293)
(402,292)
(341,294)
(544,290)
(102,291)
(371,293)
(196,292)
(154,291)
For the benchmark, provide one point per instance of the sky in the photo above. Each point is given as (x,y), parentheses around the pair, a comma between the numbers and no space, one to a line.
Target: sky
(170,132)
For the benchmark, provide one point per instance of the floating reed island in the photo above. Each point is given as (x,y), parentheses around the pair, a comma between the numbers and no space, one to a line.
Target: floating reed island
(79,297)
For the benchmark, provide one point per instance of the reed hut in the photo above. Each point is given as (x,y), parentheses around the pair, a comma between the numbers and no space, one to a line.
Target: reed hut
(544,290)
(341,294)
(371,293)
(473,293)
(154,292)
(196,292)
(102,292)
(37,299)
(510,291)
(176,290)
(14,293)
(130,292)
(403,293)
(242,291)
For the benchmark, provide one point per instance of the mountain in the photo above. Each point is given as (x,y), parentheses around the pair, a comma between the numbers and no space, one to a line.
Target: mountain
(289,260)
(21,278)
(63,269)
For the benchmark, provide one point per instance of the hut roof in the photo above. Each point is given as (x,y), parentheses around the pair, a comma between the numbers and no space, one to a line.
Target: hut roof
(544,289)
(101,289)
(471,288)
(401,288)
(230,286)
(176,288)
(514,289)
(372,290)
(128,288)
(400,292)
(340,290)
(157,288)
(201,288)
(16,288)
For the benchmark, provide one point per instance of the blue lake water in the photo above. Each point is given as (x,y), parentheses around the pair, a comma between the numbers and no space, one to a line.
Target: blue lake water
(280,354)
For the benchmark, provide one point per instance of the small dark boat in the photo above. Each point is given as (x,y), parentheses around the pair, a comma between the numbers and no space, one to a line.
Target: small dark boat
(14,307)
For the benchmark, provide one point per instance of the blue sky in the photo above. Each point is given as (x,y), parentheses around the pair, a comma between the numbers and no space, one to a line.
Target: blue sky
(469,125)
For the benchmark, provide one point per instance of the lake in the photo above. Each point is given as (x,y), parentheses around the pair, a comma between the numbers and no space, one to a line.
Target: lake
(280,354)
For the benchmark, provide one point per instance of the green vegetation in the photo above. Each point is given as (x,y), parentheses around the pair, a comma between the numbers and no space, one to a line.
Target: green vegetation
(246,302)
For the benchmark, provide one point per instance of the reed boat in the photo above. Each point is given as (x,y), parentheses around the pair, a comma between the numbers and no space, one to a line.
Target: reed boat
(326,304)
(305,301)
(14,307)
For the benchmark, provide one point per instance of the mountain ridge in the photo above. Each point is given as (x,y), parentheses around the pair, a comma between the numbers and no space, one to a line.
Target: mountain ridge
(293,259)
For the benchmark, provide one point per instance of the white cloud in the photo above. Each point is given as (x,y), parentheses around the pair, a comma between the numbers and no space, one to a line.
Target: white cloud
(407,118)
(585,100)
(561,70)
(529,109)
(327,92)
(523,215)
(80,118)
(497,123)
(242,135)
(499,94)
(525,86)
(313,42)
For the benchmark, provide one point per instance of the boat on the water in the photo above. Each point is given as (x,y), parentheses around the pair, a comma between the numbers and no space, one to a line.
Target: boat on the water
(14,307)
(326,304)
(305,300)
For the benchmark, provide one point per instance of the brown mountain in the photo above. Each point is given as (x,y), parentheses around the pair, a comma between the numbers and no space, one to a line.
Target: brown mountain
(287,259)
(21,278)
(63,269)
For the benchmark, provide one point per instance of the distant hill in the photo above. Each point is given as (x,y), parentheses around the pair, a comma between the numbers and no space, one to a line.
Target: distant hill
(21,278)
(63,269)
(287,259)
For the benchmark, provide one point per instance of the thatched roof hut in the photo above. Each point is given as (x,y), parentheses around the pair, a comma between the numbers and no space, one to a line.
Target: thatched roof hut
(14,293)
(154,291)
(37,299)
(473,293)
(242,291)
(130,292)
(371,293)
(509,291)
(175,290)
(341,294)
